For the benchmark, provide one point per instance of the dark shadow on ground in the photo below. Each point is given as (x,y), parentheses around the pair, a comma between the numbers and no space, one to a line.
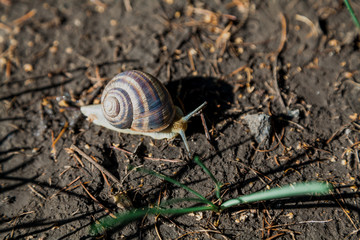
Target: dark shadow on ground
(190,92)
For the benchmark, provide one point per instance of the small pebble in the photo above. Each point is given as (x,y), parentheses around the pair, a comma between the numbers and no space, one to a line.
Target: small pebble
(68,50)
(259,125)
(113,22)
(28,67)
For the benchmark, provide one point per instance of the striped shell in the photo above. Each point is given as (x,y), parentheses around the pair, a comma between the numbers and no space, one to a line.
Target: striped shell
(138,101)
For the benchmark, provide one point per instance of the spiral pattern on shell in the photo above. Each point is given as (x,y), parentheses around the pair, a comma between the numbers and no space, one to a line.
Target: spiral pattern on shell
(137,100)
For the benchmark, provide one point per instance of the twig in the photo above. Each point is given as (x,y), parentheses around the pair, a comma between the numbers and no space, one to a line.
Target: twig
(36,192)
(336,133)
(94,90)
(106,180)
(67,168)
(276,87)
(274,58)
(101,168)
(79,160)
(352,233)
(95,200)
(15,220)
(275,236)
(223,38)
(272,149)
(8,69)
(132,170)
(65,188)
(5,27)
(147,158)
(314,30)
(205,126)
(314,221)
(283,36)
(294,123)
(53,149)
(156,227)
(24,18)
(192,52)
(344,209)
(237,71)
(21,214)
(127,5)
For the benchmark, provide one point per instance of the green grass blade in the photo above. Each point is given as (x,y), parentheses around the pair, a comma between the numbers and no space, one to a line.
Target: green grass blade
(351,11)
(207,171)
(122,219)
(108,222)
(298,189)
(173,181)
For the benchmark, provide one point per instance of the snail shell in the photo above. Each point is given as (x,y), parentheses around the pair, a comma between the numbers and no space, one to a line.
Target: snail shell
(138,101)
(135,102)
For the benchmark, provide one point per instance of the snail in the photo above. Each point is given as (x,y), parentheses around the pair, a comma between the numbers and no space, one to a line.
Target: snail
(135,102)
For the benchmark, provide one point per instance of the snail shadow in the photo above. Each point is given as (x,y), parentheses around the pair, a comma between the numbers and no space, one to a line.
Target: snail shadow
(190,92)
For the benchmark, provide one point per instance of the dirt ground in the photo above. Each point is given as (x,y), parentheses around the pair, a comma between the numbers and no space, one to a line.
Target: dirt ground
(296,61)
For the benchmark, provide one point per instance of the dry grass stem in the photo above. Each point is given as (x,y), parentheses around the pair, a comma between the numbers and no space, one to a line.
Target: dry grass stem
(95,200)
(101,168)
(147,158)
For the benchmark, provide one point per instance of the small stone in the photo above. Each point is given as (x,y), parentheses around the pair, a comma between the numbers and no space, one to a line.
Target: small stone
(260,126)
(113,22)
(290,215)
(239,40)
(77,22)
(294,113)
(53,49)
(28,67)
(68,50)
(192,51)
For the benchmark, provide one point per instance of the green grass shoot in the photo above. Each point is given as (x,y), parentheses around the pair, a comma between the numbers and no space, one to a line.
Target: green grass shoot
(292,190)
(351,11)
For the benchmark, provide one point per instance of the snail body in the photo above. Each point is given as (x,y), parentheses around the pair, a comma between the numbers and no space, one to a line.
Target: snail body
(134,102)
